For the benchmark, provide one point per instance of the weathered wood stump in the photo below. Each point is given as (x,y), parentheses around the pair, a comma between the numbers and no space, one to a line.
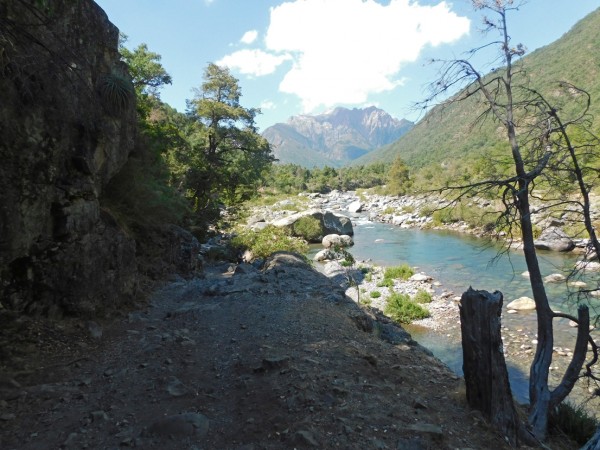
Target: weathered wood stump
(484,367)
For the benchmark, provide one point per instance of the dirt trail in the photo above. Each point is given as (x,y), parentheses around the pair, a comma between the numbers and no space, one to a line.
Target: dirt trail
(275,359)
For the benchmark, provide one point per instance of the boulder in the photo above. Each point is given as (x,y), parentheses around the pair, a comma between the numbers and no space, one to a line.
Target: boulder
(332,240)
(355,207)
(330,222)
(587,266)
(324,255)
(522,304)
(420,277)
(555,239)
(555,278)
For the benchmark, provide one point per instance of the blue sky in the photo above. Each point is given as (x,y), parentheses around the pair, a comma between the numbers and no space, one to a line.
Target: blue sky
(308,56)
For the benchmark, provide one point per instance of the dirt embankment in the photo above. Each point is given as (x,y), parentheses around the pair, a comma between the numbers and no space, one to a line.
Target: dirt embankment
(244,359)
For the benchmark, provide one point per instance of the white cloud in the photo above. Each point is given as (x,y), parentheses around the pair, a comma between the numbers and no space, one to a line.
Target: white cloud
(344,50)
(249,37)
(267,104)
(253,62)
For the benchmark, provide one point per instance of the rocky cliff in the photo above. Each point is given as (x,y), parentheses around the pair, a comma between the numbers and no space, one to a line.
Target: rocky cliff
(67,125)
(334,138)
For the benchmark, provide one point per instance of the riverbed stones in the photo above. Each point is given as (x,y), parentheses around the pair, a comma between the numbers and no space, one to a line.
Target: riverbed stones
(587,266)
(555,278)
(555,239)
(522,304)
(333,240)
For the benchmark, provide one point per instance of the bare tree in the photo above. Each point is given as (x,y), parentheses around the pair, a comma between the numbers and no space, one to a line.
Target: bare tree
(541,149)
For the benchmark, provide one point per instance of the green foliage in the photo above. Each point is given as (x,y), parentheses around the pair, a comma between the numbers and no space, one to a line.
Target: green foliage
(402,272)
(265,242)
(348,258)
(308,228)
(145,68)
(375,294)
(398,179)
(366,301)
(574,421)
(140,196)
(422,296)
(444,216)
(228,156)
(386,282)
(403,310)
(116,90)
(292,178)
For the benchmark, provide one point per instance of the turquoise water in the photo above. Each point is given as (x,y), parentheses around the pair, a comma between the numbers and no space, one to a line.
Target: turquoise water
(458,261)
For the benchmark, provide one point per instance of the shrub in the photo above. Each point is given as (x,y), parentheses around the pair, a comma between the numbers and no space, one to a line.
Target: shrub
(116,89)
(267,241)
(308,228)
(403,310)
(375,294)
(422,296)
(402,272)
(444,216)
(386,282)
(574,421)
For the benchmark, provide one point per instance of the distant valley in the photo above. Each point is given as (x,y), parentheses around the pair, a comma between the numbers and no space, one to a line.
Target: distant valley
(335,138)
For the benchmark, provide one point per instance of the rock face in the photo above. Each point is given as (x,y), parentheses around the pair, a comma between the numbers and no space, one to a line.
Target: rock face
(335,137)
(64,135)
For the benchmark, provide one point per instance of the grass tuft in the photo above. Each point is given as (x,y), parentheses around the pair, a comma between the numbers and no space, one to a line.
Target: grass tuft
(402,309)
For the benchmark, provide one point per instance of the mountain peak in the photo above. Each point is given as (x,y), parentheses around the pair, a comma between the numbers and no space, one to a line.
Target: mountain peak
(334,137)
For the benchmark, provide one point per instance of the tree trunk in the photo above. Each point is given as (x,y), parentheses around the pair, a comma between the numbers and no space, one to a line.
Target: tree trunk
(486,377)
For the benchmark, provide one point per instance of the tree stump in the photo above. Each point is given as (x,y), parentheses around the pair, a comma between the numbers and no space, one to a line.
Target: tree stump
(484,367)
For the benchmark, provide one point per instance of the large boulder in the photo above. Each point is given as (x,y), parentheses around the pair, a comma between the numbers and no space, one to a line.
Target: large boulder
(330,223)
(336,240)
(522,304)
(355,206)
(555,239)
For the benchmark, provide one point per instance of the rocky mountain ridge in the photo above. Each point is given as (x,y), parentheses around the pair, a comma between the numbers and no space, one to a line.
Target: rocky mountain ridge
(334,138)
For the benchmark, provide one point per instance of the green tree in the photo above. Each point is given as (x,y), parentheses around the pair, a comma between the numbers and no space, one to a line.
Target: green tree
(398,179)
(228,155)
(147,74)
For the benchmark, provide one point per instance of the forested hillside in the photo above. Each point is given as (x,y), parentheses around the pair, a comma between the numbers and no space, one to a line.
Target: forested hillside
(453,135)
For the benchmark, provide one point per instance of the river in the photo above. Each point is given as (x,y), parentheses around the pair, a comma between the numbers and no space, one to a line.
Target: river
(458,261)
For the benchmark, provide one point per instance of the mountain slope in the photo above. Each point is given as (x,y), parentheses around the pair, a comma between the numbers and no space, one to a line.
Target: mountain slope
(452,133)
(333,138)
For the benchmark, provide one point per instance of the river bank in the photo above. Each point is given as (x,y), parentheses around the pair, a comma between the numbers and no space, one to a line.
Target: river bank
(443,326)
